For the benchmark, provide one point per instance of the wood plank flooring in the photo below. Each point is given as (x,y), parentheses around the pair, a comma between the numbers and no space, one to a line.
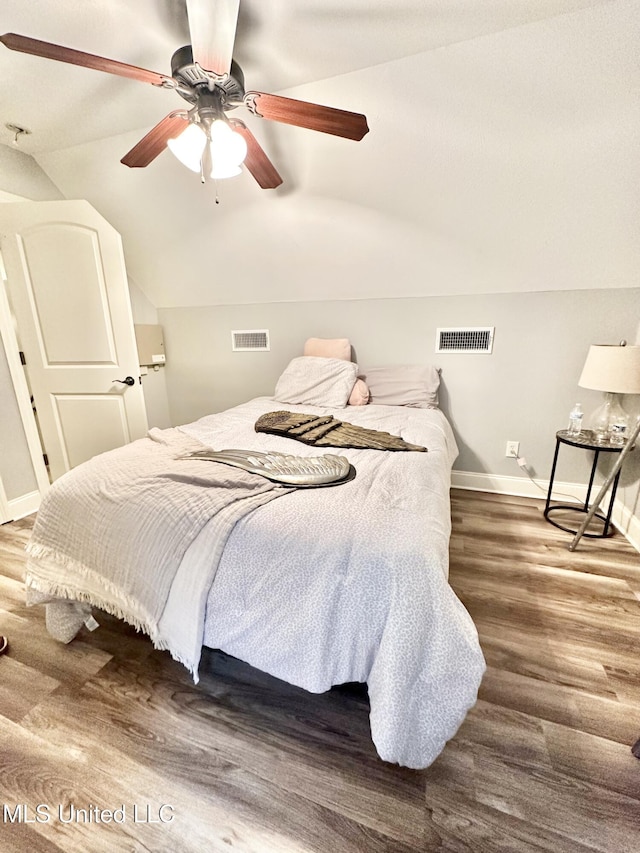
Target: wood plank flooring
(243,762)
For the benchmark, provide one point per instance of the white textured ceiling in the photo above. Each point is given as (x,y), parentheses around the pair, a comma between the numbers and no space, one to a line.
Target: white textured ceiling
(280,44)
(501,152)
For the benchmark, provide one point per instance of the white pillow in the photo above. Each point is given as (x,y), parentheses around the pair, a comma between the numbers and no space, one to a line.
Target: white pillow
(317,381)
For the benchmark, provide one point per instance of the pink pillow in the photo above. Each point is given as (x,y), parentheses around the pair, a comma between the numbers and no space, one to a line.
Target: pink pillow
(328,348)
(359,394)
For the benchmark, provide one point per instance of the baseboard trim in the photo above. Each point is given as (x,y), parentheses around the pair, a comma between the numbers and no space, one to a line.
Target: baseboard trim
(522,487)
(24,505)
(627,523)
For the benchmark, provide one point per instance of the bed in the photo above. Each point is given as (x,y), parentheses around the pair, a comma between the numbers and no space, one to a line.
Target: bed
(316,586)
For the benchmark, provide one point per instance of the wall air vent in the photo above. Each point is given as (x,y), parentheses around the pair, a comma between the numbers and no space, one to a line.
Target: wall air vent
(250,340)
(474,339)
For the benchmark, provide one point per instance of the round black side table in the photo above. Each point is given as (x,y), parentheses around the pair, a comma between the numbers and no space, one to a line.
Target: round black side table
(585,441)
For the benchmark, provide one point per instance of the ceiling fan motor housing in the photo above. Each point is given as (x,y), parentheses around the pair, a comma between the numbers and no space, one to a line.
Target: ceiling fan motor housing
(193,79)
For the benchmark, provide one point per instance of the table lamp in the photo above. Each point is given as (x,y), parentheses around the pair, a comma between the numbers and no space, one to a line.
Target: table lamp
(614,370)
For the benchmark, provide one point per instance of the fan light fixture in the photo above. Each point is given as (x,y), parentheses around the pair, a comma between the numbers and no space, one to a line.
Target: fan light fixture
(226,149)
(205,75)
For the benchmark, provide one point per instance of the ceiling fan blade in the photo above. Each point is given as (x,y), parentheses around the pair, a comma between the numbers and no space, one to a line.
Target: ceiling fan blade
(212,25)
(304,114)
(46,49)
(155,141)
(256,160)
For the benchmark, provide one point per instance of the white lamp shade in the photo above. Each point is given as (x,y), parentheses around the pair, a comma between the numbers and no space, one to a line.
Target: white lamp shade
(188,147)
(614,369)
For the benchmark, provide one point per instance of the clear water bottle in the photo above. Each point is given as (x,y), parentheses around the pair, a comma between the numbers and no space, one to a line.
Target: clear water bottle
(619,428)
(575,420)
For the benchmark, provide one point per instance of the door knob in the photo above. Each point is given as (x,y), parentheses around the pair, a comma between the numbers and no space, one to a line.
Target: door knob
(128,380)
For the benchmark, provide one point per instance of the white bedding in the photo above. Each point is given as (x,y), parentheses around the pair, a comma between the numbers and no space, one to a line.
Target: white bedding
(349,583)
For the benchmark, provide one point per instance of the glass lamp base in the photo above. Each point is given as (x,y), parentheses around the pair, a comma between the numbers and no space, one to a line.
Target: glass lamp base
(610,422)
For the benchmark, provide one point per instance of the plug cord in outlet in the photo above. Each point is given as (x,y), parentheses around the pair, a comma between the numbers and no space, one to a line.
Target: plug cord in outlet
(522,463)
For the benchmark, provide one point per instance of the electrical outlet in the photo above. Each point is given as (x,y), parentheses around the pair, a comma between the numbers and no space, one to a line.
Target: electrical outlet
(513,449)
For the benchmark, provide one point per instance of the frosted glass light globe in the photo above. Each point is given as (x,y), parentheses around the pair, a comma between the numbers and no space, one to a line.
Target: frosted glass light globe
(228,150)
(188,147)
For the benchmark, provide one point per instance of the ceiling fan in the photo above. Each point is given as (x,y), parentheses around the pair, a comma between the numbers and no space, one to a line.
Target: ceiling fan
(208,78)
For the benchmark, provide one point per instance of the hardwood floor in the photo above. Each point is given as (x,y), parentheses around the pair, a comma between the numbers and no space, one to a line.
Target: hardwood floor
(243,762)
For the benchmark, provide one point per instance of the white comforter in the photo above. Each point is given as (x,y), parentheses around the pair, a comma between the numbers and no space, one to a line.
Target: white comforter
(349,583)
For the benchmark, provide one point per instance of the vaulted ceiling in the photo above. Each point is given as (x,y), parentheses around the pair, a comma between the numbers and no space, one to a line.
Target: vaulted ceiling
(493,127)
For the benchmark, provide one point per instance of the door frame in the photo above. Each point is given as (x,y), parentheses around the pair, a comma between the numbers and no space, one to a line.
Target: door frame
(5,509)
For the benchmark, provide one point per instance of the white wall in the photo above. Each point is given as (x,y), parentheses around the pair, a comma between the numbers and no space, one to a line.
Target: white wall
(21,176)
(504,163)
(156,400)
(498,186)
(523,391)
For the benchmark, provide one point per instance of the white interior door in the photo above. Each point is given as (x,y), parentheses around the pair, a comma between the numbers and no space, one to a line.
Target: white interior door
(68,292)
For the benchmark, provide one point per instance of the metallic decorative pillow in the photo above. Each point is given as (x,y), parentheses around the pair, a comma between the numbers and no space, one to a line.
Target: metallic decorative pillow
(325,470)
